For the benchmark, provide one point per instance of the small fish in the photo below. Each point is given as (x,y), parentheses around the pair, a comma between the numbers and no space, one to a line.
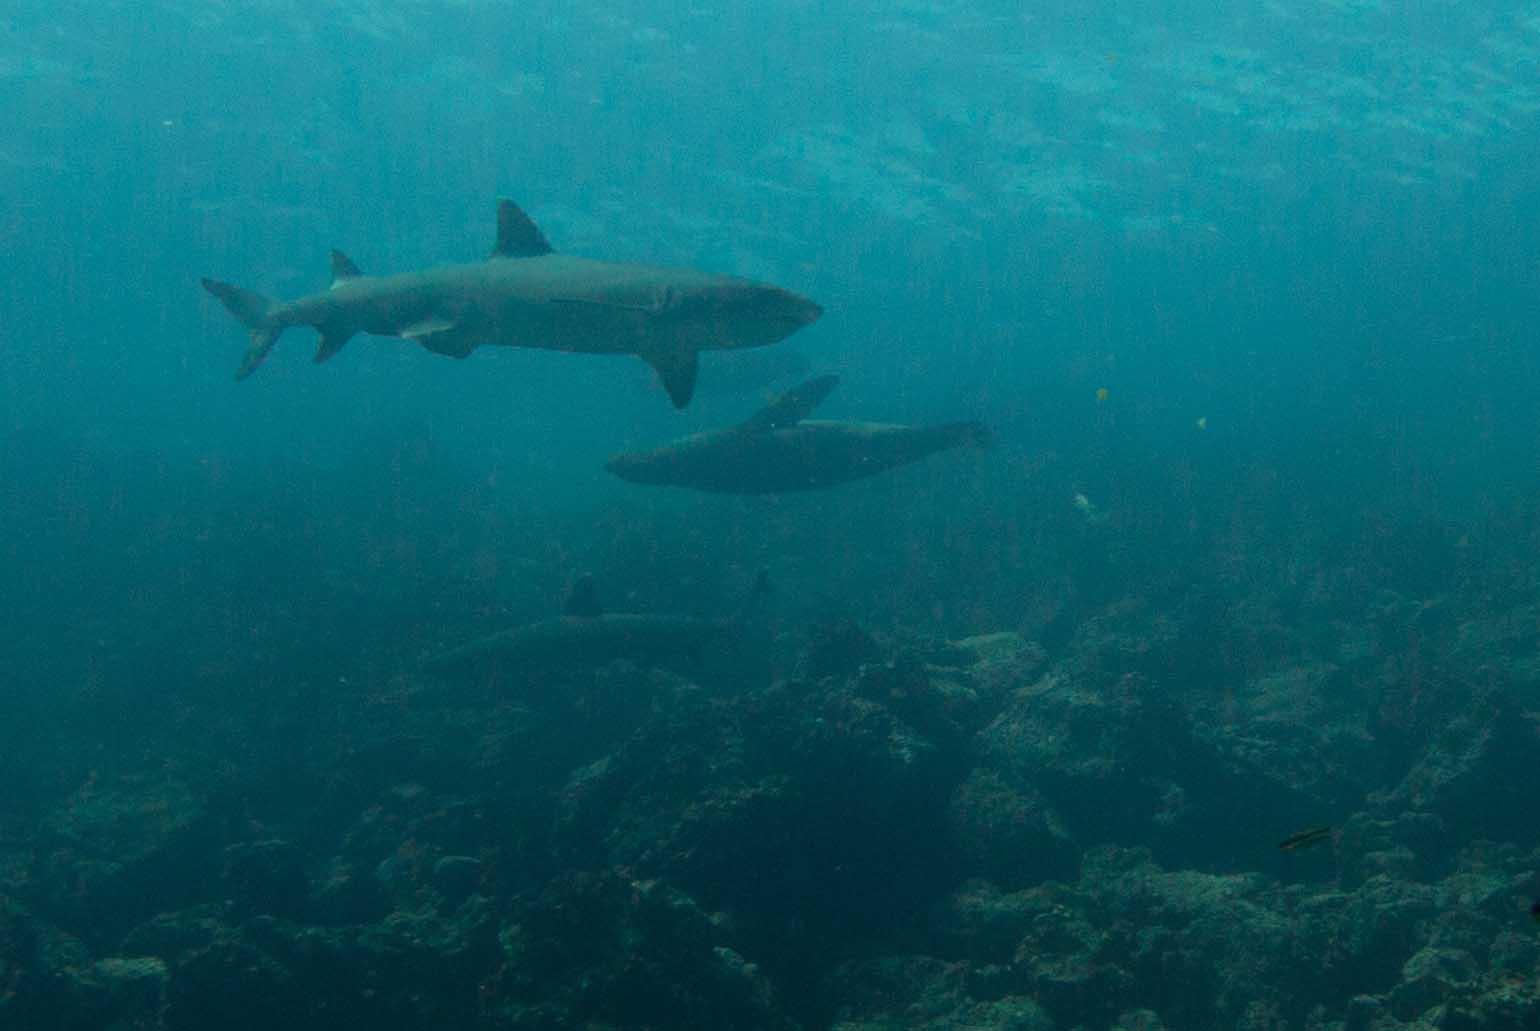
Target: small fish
(1202,423)
(1102,393)
(1308,838)
(1088,509)
(1534,912)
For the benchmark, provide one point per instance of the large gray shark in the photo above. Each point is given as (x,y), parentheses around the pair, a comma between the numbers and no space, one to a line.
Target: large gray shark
(585,635)
(780,449)
(526,295)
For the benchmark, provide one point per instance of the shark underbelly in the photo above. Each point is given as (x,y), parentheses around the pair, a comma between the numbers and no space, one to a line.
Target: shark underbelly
(804,457)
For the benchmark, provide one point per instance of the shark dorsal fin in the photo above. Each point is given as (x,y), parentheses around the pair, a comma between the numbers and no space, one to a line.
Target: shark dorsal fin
(343,269)
(793,406)
(517,234)
(583,599)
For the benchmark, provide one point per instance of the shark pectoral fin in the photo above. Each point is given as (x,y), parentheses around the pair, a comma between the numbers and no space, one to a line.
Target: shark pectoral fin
(791,407)
(441,337)
(677,369)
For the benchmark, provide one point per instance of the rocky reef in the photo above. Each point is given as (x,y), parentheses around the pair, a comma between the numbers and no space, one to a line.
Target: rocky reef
(893,831)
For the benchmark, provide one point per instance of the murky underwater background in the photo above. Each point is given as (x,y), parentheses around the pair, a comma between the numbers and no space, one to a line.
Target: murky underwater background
(1247,297)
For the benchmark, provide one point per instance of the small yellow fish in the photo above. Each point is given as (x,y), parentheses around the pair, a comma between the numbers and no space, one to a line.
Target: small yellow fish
(1202,423)
(1102,393)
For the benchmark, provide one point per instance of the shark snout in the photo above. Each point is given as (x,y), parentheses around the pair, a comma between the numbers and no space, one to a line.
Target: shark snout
(804,311)
(627,467)
(778,313)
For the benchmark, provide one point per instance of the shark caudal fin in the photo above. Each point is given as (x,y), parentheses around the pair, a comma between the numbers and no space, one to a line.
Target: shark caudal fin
(255,312)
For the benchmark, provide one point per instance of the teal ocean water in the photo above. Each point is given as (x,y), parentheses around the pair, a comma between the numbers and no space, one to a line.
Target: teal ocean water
(1178,494)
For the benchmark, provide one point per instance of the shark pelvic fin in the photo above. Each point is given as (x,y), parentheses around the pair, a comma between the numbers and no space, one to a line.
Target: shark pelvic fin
(343,269)
(517,234)
(677,369)
(441,337)
(583,599)
(793,406)
(331,342)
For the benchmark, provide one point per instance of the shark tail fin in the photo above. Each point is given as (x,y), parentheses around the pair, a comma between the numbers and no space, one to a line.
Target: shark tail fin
(255,312)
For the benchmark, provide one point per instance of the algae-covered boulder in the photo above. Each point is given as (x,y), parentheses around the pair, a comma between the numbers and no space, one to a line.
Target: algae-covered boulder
(926,994)
(125,849)
(1431,976)
(39,969)
(601,949)
(1000,663)
(265,876)
(1008,834)
(227,983)
(811,804)
(1478,776)
(838,648)
(124,992)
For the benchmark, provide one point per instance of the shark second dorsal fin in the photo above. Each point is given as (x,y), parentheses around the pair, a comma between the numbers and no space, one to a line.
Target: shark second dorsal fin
(517,234)
(343,269)
(583,599)
(793,406)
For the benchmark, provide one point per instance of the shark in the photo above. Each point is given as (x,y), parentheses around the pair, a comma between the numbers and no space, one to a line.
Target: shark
(780,449)
(525,294)
(585,635)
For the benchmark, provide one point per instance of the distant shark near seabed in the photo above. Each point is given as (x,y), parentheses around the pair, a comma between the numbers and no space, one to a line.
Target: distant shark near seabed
(779,449)
(585,635)
(526,295)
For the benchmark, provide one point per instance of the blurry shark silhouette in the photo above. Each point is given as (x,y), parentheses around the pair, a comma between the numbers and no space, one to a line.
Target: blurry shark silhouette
(586,635)
(780,449)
